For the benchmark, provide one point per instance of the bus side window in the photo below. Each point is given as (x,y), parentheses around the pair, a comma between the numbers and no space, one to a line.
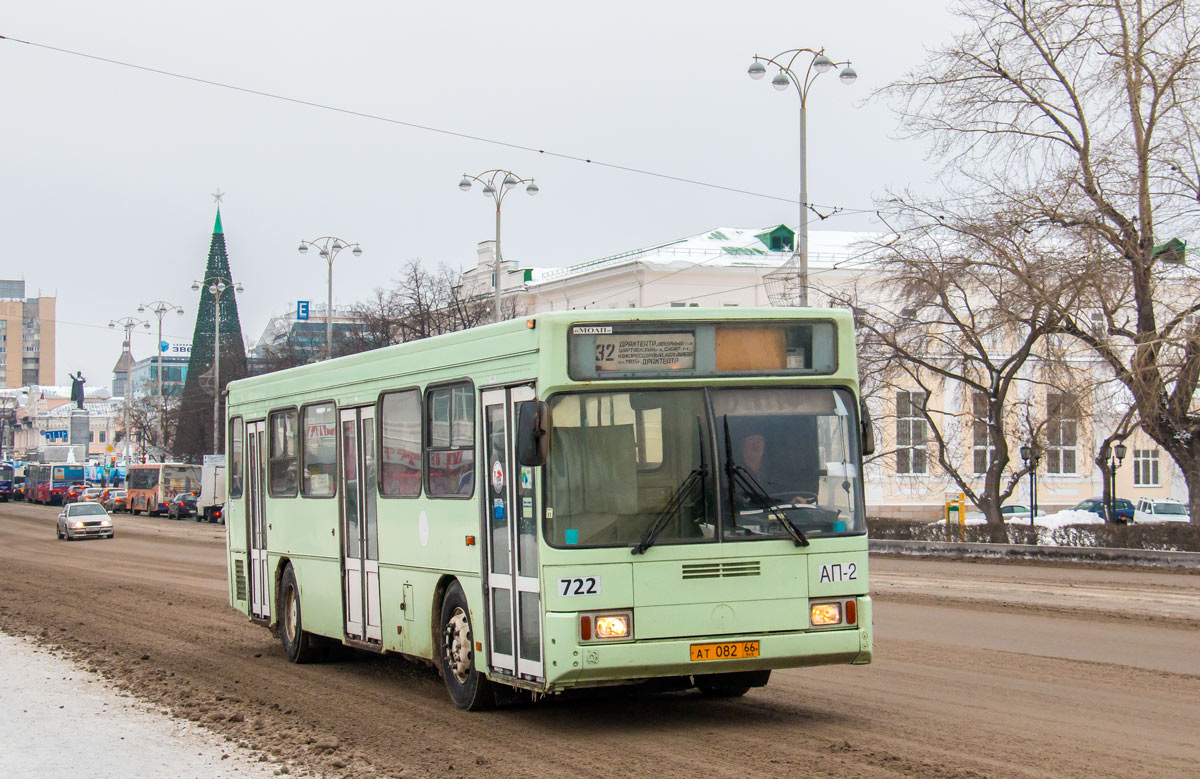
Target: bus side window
(450,434)
(319,467)
(236,428)
(284,463)
(400,435)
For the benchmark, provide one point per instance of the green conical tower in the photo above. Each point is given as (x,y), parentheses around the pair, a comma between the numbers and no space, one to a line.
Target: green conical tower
(194,434)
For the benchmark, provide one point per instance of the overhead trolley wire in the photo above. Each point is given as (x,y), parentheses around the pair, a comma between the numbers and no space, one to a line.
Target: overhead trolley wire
(439,130)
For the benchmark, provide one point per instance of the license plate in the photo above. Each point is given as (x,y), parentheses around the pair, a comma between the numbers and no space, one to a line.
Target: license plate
(733,650)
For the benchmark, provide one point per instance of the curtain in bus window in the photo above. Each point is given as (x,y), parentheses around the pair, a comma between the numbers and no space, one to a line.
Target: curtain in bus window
(401,429)
(283,460)
(320,451)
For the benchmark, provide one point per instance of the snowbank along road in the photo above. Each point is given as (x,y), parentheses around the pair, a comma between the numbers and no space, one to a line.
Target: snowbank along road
(981,670)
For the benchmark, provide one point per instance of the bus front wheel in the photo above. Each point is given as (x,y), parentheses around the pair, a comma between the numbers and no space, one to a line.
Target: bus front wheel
(298,645)
(468,688)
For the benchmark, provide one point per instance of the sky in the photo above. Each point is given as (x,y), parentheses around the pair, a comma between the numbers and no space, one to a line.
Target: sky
(106,195)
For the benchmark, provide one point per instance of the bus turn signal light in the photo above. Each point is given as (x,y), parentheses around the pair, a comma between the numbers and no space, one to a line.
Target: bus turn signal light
(822,614)
(851,612)
(585,628)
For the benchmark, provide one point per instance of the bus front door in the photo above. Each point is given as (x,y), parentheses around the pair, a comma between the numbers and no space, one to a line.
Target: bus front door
(256,521)
(360,527)
(510,522)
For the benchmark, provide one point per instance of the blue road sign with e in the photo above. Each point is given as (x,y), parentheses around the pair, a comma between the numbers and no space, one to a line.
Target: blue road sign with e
(302,310)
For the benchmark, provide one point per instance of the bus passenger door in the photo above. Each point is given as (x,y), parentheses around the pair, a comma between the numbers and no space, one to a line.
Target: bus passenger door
(256,520)
(360,527)
(510,519)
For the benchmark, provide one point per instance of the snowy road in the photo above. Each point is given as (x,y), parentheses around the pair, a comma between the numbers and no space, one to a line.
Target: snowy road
(981,669)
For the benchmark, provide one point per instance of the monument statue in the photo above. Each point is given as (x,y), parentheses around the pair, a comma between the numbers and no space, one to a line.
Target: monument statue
(77,388)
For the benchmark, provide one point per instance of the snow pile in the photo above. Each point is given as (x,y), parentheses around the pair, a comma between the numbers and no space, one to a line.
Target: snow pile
(1061,519)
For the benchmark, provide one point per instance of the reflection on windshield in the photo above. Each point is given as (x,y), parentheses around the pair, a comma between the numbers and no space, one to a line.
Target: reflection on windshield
(87,509)
(625,467)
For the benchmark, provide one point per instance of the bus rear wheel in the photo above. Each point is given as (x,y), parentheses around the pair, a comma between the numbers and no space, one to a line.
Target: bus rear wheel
(298,645)
(730,685)
(468,688)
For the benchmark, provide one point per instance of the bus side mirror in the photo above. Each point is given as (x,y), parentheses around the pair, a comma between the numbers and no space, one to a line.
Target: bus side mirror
(533,442)
(868,430)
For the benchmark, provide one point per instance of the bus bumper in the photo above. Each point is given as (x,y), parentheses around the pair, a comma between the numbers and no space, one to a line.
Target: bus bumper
(570,663)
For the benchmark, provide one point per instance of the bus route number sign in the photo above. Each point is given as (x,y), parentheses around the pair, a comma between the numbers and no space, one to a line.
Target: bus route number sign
(579,585)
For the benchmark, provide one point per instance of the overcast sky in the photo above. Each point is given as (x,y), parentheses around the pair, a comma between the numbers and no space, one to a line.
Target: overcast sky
(105,196)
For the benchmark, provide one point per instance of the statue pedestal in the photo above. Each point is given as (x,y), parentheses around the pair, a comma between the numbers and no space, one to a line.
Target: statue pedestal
(78,433)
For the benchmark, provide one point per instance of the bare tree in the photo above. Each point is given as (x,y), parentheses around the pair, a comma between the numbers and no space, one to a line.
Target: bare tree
(419,305)
(956,324)
(1079,119)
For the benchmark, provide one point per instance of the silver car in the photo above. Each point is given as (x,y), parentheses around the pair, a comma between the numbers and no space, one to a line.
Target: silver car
(83,520)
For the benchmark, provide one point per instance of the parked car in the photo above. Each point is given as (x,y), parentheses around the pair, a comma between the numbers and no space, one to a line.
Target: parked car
(182,505)
(114,500)
(73,492)
(91,494)
(83,520)
(1122,508)
(1008,511)
(1161,510)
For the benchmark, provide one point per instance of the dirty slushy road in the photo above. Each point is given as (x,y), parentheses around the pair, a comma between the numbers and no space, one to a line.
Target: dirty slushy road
(981,670)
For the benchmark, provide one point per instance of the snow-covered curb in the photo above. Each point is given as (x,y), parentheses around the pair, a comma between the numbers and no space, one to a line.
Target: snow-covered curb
(60,720)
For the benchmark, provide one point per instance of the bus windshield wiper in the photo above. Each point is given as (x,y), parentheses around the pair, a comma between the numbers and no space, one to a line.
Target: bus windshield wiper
(754,490)
(695,476)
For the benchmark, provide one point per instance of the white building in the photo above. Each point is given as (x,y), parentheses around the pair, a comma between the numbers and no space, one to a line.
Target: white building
(732,267)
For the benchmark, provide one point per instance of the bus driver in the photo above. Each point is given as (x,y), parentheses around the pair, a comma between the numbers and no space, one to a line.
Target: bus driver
(776,485)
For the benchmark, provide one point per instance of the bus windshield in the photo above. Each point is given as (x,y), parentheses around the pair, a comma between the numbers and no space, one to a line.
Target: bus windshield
(623,462)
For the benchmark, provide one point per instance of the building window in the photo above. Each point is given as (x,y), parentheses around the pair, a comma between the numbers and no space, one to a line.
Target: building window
(1145,468)
(400,433)
(450,441)
(91,436)
(284,463)
(319,466)
(1062,430)
(984,448)
(103,436)
(910,432)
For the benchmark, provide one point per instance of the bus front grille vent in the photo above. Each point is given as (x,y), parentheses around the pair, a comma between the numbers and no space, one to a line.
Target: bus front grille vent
(239,578)
(721,570)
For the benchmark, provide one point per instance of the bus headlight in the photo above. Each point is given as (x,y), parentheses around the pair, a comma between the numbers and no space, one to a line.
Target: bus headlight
(823,614)
(610,626)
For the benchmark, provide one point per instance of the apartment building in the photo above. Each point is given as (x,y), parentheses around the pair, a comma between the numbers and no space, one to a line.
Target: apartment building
(26,336)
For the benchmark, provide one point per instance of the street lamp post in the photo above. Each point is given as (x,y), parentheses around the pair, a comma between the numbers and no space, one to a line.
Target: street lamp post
(217,286)
(788,73)
(159,308)
(496,183)
(1032,453)
(329,247)
(128,324)
(1114,462)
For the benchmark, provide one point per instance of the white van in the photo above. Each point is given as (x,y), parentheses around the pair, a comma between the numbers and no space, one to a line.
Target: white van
(1160,510)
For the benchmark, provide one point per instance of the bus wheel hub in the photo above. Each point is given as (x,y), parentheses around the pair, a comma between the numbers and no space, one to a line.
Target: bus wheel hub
(458,645)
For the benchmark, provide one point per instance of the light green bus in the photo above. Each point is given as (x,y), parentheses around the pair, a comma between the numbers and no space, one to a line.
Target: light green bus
(580,498)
